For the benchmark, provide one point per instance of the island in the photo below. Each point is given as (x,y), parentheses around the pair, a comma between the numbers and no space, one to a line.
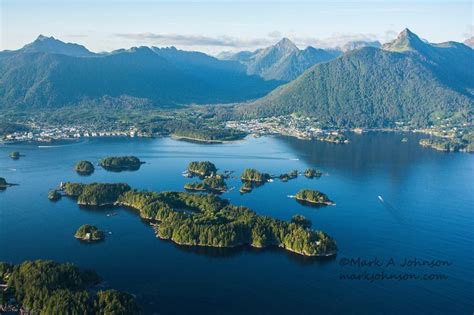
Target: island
(213,183)
(15,155)
(246,187)
(291,175)
(4,184)
(207,220)
(312,173)
(121,163)
(84,168)
(89,233)
(48,287)
(54,195)
(252,175)
(203,168)
(313,197)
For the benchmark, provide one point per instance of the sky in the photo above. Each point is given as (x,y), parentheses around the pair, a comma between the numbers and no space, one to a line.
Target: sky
(213,26)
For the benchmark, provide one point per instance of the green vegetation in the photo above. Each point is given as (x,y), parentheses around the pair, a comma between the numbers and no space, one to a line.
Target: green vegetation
(95,194)
(88,232)
(215,183)
(47,287)
(374,88)
(204,168)
(54,195)
(311,173)
(207,220)
(246,187)
(448,145)
(291,175)
(15,155)
(121,163)
(334,138)
(208,134)
(313,197)
(301,220)
(84,167)
(252,175)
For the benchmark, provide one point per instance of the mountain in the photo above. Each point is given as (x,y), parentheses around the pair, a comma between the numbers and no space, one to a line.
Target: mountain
(283,61)
(50,73)
(353,45)
(470,42)
(51,45)
(407,80)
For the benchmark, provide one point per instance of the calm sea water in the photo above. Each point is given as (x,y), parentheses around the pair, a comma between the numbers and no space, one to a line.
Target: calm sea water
(427,213)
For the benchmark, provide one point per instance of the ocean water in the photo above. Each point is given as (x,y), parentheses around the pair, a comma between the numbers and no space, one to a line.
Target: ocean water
(394,201)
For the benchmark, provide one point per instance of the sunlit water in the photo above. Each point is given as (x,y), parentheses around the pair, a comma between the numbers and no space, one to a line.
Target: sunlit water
(427,212)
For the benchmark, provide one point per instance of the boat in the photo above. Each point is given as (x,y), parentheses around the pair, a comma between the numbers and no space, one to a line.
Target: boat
(381,199)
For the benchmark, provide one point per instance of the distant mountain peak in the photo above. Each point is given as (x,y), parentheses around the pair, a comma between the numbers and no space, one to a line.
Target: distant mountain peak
(286,44)
(405,41)
(52,45)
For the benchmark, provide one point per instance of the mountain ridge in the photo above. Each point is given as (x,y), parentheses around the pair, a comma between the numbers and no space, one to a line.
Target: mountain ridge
(406,80)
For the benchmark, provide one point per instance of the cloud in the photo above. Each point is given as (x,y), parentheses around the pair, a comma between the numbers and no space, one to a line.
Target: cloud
(196,40)
(224,42)
(336,40)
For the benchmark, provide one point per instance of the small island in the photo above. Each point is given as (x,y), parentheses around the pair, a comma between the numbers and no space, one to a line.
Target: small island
(54,195)
(4,184)
(291,175)
(207,220)
(121,163)
(312,173)
(84,168)
(252,175)
(15,155)
(246,187)
(89,233)
(213,183)
(203,168)
(313,197)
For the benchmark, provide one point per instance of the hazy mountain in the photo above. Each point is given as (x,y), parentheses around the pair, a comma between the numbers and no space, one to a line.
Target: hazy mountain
(49,73)
(470,42)
(282,61)
(353,45)
(407,80)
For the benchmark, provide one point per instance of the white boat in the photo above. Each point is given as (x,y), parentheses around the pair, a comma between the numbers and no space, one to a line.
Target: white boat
(381,199)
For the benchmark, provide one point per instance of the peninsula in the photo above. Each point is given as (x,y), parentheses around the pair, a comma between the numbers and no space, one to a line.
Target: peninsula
(206,220)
